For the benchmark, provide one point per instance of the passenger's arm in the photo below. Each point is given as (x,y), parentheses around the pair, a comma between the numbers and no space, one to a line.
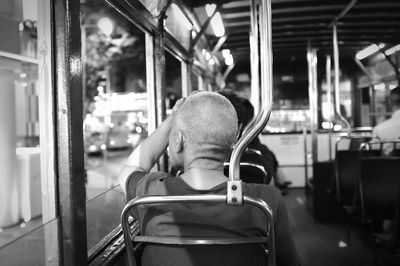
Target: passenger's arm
(149,151)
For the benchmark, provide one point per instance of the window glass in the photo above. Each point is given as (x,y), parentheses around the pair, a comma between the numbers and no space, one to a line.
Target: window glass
(26,192)
(194,79)
(178,25)
(115,109)
(154,6)
(173,80)
(104,215)
(37,248)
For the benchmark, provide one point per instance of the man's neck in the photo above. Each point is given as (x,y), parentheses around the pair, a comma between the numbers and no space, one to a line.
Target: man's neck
(204,174)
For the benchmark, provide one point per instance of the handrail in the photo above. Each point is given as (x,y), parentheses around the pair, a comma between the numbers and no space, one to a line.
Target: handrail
(254,59)
(337,81)
(329,100)
(343,12)
(127,211)
(255,165)
(265,24)
(381,143)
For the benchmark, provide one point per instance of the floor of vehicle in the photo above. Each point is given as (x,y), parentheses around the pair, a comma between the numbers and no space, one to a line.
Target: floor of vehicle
(318,242)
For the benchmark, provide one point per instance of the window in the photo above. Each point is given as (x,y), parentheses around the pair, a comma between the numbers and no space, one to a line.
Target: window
(27,193)
(173,80)
(115,109)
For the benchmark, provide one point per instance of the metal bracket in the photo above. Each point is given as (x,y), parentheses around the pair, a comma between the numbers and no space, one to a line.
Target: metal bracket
(164,10)
(234,192)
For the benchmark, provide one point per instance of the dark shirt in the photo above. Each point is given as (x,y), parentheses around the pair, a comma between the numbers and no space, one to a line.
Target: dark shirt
(208,220)
(270,161)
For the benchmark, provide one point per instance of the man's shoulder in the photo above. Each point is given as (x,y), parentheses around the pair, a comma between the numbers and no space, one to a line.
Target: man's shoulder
(142,183)
(268,193)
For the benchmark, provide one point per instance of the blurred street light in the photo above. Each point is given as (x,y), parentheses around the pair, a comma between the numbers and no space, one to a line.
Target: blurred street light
(105,25)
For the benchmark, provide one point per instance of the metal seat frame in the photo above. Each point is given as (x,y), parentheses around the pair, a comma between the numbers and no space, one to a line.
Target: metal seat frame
(129,238)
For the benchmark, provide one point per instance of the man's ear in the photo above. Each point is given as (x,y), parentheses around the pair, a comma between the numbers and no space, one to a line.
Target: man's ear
(179,141)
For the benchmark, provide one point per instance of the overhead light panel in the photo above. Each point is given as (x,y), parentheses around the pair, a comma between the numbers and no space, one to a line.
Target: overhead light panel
(373,48)
(226,54)
(216,21)
(229,60)
(393,50)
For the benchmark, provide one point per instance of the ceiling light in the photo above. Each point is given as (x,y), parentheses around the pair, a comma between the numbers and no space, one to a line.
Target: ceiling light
(373,48)
(216,21)
(207,55)
(392,50)
(105,25)
(226,52)
(229,60)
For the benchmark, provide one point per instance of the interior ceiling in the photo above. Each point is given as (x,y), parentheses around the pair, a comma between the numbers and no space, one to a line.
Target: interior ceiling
(295,23)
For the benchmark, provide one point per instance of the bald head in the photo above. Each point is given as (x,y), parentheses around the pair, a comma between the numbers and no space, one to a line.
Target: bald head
(208,123)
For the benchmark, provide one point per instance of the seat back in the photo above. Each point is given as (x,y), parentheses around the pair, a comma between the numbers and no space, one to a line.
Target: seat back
(250,173)
(355,142)
(252,168)
(200,250)
(347,167)
(347,170)
(379,187)
(204,255)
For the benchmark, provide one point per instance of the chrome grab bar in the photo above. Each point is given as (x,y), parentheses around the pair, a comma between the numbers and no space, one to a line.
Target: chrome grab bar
(381,143)
(234,196)
(146,200)
(255,165)
(337,80)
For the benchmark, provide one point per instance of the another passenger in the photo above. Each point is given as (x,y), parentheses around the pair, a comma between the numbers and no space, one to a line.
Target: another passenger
(245,113)
(200,133)
(389,130)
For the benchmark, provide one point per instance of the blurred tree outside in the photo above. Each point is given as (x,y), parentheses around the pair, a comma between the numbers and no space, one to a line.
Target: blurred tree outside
(117,57)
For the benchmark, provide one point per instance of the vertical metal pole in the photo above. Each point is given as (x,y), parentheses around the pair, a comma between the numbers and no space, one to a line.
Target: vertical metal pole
(84,65)
(373,105)
(150,84)
(372,119)
(200,81)
(329,100)
(266,86)
(160,84)
(254,57)
(71,177)
(186,71)
(305,157)
(312,94)
(227,71)
(337,79)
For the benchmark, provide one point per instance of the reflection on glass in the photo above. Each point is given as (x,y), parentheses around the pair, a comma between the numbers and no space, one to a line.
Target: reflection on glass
(115,109)
(103,214)
(37,248)
(21,203)
(154,6)
(178,25)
